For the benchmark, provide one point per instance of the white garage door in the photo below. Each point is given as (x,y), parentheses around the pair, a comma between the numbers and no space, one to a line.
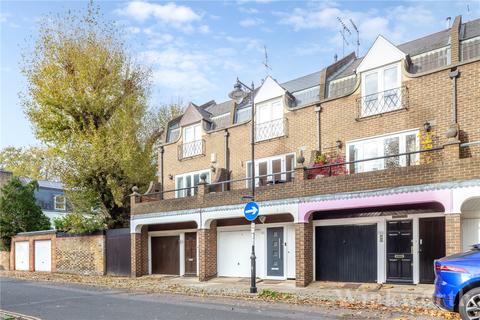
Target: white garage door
(43,255)
(22,255)
(470,232)
(233,253)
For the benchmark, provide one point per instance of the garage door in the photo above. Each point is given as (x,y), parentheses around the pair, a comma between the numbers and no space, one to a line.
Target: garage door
(233,253)
(166,255)
(470,232)
(43,255)
(22,255)
(346,253)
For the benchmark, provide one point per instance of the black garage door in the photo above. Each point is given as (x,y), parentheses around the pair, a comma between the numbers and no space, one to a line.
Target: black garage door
(346,253)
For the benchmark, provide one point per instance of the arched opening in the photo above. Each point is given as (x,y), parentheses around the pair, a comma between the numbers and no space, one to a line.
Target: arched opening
(470,220)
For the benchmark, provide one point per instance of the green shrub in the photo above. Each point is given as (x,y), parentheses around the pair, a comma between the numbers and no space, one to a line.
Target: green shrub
(79,223)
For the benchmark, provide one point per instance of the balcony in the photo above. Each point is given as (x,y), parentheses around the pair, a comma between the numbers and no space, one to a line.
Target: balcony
(270,129)
(191,149)
(382,102)
(428,166)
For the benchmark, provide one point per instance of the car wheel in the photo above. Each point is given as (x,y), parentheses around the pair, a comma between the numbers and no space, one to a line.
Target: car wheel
(469,305)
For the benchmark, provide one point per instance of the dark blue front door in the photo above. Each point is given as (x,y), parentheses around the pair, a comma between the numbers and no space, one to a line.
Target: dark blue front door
(275,252)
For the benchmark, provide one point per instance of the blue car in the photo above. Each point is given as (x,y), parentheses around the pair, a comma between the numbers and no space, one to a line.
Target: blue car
(457,283)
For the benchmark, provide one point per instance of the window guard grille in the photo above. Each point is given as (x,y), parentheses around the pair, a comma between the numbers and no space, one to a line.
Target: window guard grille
(382,102)
(191,149)
(270,129)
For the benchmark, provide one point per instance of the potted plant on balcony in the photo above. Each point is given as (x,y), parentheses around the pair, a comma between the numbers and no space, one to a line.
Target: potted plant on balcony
(324,166)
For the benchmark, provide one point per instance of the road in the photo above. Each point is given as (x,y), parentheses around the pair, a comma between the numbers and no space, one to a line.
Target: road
(60,301)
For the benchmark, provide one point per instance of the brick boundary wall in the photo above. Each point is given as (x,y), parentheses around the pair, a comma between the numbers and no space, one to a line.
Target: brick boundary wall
(83,254)
(31,238)
(4,260)
(139,253)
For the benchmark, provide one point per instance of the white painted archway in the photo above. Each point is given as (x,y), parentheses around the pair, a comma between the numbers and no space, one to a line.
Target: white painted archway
(470,209)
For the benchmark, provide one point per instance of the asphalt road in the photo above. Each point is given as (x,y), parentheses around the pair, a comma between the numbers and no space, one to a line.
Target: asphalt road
(61,301)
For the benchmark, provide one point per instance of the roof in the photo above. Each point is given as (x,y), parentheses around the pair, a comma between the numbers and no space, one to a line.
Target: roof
(44,183)
(471,29)
(302,83)
(221,108)
(427,43)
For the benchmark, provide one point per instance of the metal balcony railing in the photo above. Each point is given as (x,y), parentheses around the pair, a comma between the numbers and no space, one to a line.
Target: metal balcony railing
(191,149)
(260,181)
(382,102)
(405,159)
(270,129)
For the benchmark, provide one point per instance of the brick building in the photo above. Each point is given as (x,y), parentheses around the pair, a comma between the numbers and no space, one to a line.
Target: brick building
(366,171)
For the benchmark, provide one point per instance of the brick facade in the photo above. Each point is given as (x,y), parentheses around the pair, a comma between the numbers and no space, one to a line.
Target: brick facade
(303,254)
(4,260)
(207,252)
(453,234)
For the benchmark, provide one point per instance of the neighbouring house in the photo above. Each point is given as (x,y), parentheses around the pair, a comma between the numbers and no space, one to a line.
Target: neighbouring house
(50,196)
(366,171)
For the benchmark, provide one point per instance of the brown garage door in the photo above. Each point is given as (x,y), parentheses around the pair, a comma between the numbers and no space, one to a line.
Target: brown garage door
(166,255)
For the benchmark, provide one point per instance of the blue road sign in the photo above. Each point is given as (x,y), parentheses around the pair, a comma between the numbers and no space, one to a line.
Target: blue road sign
(251,211)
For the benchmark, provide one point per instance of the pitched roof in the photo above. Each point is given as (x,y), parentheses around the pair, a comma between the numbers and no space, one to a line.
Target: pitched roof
(302,83)
(44,183)
(471,29)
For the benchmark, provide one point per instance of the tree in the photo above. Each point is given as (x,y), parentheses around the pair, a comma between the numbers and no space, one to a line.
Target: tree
(18,210)
(87,101)
(36,162)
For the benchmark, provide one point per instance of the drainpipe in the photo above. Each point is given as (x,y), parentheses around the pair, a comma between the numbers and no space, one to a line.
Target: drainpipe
(162,152)
(226,134)
(318,110)
(452,132)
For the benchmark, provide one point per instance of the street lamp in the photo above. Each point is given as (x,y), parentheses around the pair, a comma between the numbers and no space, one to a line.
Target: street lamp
(239,94)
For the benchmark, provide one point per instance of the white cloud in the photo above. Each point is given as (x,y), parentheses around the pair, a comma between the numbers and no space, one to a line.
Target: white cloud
(251,22)
(168,13)
(183,72)
(248,10)
(4,17)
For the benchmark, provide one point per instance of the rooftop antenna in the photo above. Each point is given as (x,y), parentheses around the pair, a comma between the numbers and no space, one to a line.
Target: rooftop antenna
(358,36)
(343,33)
(265,62)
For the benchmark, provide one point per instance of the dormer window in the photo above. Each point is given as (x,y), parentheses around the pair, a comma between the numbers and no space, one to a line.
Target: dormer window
(60,203)
(269,120)
(381,90)
(192,141)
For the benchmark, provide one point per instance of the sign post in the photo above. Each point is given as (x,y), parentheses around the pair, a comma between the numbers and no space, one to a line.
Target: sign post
(251,213)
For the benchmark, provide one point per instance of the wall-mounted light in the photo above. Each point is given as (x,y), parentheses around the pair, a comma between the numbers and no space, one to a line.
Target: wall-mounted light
(170,176)
(427,126)
(339,144)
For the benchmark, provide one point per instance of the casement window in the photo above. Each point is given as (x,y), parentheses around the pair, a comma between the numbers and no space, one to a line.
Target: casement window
(383,146)
(381,90)
(269,119)
(192,141)
(188,183)
(60,202)
(272,170)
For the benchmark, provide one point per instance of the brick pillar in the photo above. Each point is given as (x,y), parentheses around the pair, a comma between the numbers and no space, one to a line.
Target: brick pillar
(454,39)
(303,254)
(139,253)
(453,233)
(207,252)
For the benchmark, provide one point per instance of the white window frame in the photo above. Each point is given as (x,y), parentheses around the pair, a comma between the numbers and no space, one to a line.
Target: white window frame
(182,193)
(269,161)
(364,166)
(190,147)
(56,202)
(381,86)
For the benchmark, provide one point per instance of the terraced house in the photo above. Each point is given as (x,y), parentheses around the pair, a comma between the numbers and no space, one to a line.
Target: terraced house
(366,171)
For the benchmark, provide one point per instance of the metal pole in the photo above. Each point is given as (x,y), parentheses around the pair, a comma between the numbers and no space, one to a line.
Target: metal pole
(162,151)
(253,266)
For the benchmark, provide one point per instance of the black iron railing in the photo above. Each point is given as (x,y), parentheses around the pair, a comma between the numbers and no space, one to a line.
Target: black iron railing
(404,159)
(173,193)
(270,129)
(191,149)
(260,180)
(382,102)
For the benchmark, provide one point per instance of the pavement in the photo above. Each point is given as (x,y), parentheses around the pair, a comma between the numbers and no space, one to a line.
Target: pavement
(50,300)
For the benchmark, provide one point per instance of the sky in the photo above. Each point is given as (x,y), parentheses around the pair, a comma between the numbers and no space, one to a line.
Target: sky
(196,49)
